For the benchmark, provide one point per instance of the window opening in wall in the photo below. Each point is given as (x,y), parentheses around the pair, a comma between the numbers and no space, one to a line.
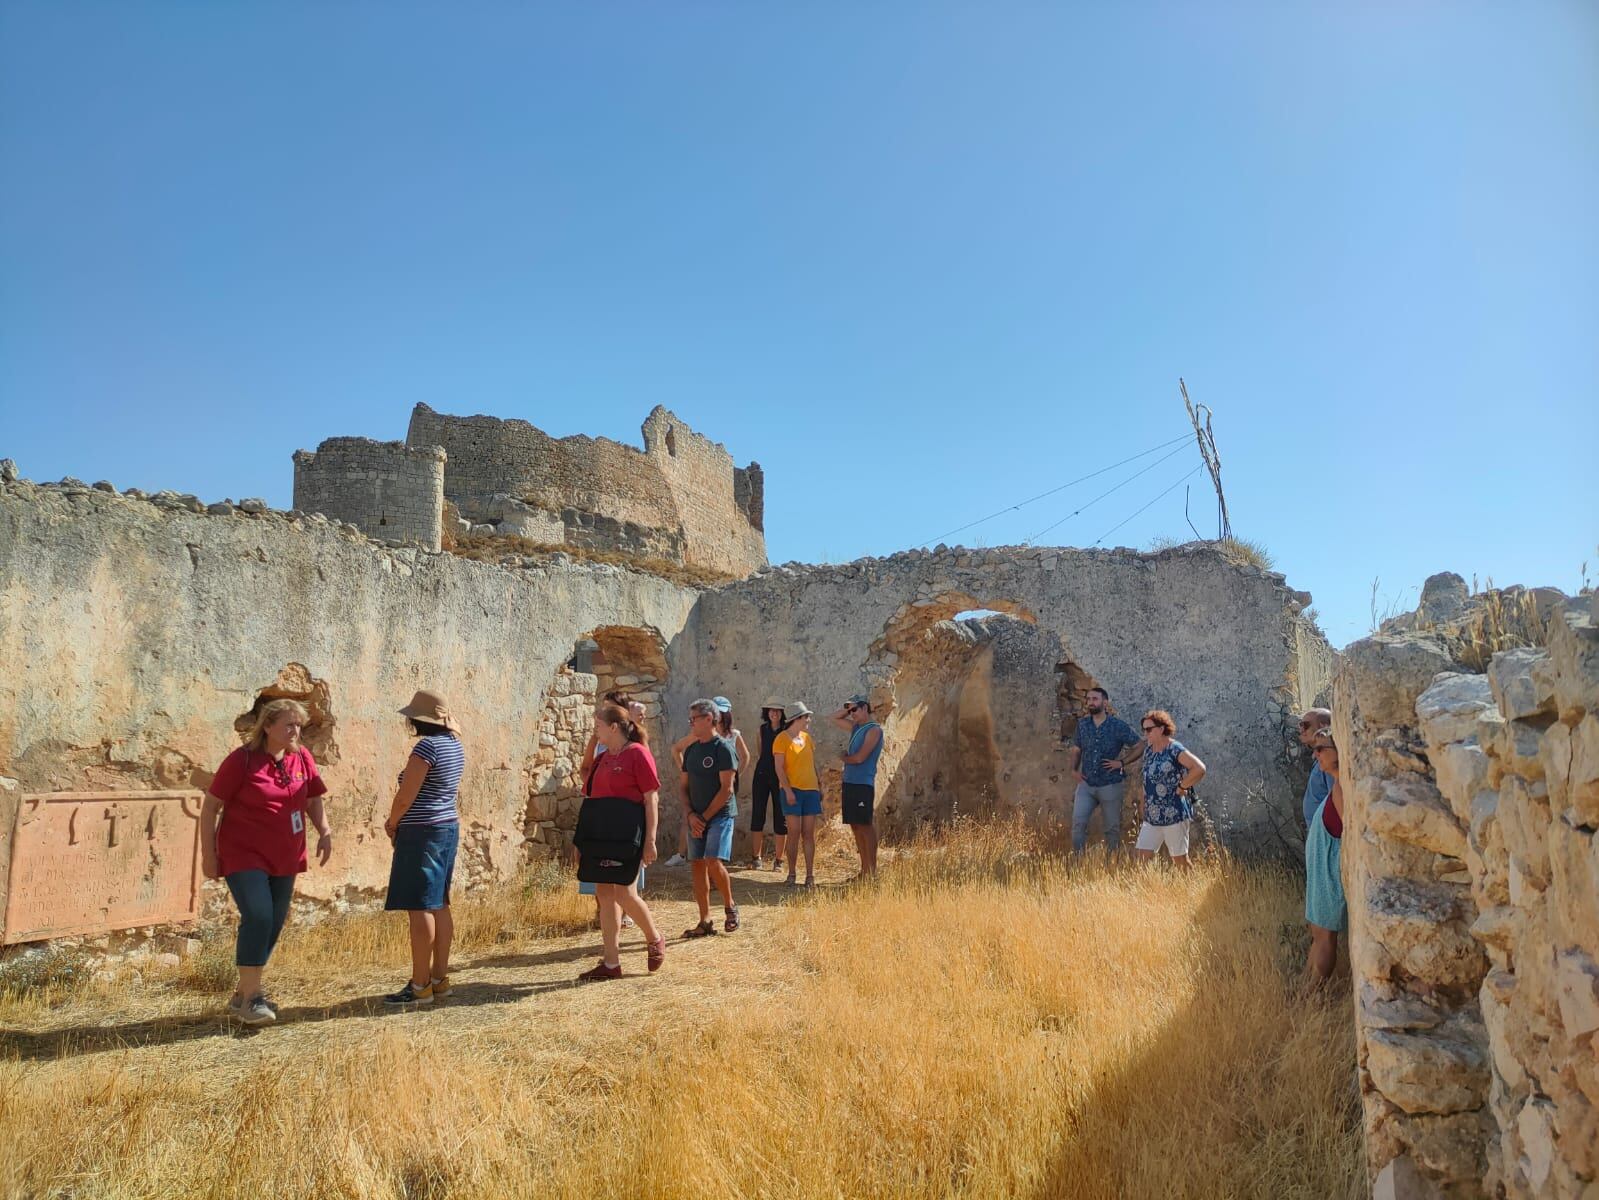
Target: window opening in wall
(976,614)
(383,518)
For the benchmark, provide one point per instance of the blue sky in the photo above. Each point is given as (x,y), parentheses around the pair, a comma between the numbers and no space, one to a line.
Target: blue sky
(920,260)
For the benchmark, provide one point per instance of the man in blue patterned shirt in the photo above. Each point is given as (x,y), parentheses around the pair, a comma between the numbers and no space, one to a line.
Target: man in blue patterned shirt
(1097,760)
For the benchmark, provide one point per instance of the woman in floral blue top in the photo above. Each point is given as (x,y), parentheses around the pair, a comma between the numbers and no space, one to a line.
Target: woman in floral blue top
(1170,772)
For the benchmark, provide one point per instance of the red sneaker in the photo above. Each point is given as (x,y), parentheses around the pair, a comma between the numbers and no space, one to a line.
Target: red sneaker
(600,971)
(657,952)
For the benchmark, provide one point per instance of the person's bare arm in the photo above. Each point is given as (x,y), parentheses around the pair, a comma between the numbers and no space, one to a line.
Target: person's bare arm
(780,761)
(317,811)
(873,737)
(841,720)
(743,748)
(1196,770)
(652,819)
(416,770)
(719,801)
(1336,796)
(210,810)
(695,822)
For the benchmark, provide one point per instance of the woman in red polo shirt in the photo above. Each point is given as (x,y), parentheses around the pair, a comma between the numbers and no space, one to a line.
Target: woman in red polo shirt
(265,791)
(616,835)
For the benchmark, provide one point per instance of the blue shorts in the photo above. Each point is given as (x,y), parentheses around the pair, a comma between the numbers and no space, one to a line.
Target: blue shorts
(424,865)
(806,804)
(717,841)
(587,889)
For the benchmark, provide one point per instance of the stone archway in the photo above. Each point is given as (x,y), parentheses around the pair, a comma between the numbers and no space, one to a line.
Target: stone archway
(622,658)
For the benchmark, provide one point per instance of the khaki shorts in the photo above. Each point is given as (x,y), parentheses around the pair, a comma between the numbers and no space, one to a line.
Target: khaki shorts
(1173,837)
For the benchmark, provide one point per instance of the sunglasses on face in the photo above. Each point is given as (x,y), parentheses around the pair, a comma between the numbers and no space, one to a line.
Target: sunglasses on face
(1149,728)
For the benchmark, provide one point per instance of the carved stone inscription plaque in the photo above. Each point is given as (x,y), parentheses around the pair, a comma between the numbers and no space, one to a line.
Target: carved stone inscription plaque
(92,862)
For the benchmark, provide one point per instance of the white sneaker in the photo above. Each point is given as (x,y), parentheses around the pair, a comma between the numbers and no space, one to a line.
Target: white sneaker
(251,1012)
(675,861)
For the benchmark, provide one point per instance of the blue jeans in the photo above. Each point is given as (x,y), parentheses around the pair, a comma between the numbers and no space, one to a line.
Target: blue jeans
(263,902)
(1107,796)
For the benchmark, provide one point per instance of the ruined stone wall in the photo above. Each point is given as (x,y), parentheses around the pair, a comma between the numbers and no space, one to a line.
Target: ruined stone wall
(679,498)
(1472,872)
(134,632)
(387,490)
(1221,646)
(721,529)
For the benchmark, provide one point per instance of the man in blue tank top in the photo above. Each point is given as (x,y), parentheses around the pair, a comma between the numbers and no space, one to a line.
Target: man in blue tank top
(860,776)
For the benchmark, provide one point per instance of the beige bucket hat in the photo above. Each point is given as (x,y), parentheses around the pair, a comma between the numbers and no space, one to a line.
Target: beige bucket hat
(430,707)
(797,710)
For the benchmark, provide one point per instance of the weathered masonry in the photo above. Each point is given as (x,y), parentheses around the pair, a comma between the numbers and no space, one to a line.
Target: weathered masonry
(1469,746)
(136,632)
(679,499)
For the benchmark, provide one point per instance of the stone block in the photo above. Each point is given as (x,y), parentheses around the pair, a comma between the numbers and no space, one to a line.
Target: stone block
(1422,929)
(1524,820)
(1403,1179)
(1498,992)
(1574,885)
(1461,769)
(1410,809)
(1582,776)
(92,862)
(1382,1006)
(1535,1131)
(1577,991)
(1430,1072)
(1515,690)
(1574,652)
(1449,709)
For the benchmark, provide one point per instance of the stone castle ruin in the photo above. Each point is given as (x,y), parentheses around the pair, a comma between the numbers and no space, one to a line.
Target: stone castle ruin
(680,499)
(136,630)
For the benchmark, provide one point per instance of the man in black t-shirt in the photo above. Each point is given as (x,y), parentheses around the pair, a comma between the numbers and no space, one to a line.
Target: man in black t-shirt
(708,810)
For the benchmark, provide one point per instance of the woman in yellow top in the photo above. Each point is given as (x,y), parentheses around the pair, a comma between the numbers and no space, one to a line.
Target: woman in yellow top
(794,755)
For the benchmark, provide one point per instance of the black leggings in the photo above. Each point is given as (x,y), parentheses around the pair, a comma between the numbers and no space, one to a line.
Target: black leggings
(764,789)
(263,902)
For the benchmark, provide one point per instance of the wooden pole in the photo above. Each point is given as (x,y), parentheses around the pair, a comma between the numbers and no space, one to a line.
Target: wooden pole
(1200,416)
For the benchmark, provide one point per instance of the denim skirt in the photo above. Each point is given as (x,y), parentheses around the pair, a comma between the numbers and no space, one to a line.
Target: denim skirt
(424,864)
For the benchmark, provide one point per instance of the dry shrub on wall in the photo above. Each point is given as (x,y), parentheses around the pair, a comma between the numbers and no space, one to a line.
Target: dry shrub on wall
(981,1022)
(1246,552)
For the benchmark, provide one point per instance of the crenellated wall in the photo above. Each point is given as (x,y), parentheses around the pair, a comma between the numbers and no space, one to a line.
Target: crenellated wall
(679,498)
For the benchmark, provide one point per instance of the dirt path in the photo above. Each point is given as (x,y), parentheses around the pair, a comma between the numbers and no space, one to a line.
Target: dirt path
(495,990)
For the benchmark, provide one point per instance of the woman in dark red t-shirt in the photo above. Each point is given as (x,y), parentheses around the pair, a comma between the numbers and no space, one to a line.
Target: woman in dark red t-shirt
(265,791)
(622,780)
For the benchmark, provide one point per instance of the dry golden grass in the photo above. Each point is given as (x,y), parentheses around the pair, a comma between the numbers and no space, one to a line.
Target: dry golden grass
(980,1022)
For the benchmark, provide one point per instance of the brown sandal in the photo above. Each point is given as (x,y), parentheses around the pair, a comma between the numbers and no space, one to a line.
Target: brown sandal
(703,929)
(731,923)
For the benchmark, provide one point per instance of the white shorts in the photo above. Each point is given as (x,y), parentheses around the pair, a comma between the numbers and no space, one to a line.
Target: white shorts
(1173,837)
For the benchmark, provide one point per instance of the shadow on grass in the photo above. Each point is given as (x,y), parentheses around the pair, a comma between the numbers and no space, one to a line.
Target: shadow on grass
(72,1041)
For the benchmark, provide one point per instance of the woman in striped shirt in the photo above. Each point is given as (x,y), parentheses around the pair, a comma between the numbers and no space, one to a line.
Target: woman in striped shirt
(425,828)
